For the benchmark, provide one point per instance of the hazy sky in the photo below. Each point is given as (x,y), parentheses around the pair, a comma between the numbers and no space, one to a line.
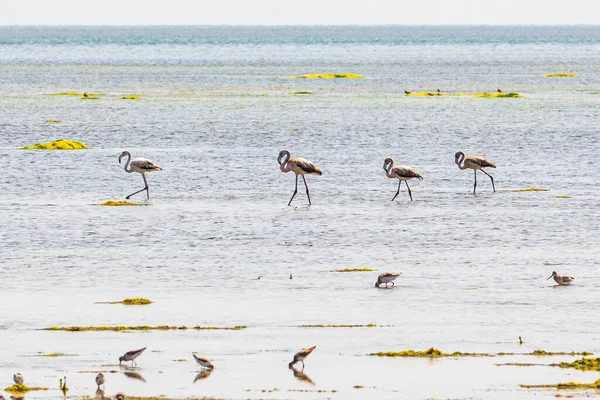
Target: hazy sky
(293,12)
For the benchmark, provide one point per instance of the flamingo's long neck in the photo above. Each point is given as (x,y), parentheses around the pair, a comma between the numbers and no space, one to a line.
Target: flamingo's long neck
(461,158)
(127,165)
(388,169)
(284,166)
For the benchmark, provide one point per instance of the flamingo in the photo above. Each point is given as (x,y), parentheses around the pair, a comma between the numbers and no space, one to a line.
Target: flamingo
(141,165)
(475,163)
(301,355)
(562,280)
(299,166)
(400,172)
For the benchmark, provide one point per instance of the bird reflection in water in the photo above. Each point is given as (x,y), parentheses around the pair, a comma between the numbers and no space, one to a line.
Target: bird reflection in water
(134,375)
(203,375)
(301,376)
(100,393)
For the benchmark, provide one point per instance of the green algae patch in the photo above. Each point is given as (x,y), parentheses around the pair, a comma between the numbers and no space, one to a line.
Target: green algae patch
(331,76)
(584,364)
(560,75)
(353,270)
(432,352)
(61,144)
(563,197)
(544,353)
(533,189)
(426,94)
(498,95)
(118,203)
(21,388)
(53,121)
(123,328)
(338,326)
(130,97)
(296,93)
(566,385)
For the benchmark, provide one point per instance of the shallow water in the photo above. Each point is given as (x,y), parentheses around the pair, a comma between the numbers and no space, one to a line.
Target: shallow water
(214,113)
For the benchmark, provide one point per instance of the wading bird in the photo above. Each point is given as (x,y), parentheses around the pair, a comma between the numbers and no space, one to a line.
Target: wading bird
(131,356)
(100,379)
(299,166)
(475,163)
(140,165)
(400,172)
(18,378)
(406,92)
(204,362)
(562,280)
(301,355)
(499,91)
(386,278)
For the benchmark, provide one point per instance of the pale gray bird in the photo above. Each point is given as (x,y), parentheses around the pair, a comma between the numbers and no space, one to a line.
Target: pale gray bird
(18,378)
(131,356)
(204,362)
(100,379)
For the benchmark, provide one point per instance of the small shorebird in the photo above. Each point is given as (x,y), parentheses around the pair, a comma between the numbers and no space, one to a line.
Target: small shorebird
(386,278)
(406,92)
(562,280)
(204,362)
(131,356)
(140,165)
(100,379)
(475,163)
(18,378)
(400,172)
(499,91)
(439,91)
(299,166)
(301,355)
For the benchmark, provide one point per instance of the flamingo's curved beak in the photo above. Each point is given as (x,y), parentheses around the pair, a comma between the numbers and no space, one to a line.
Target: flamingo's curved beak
(120,157)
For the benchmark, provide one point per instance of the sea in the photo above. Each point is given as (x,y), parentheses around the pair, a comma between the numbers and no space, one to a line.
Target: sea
(217,246)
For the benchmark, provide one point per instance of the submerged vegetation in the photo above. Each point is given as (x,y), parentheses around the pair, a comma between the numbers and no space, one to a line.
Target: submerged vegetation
(121,328)
(498,95)
(56,355)
(560,74)
(432,352)
(562,197)
(21,388)
(533,189)
(61,144)
(77,94)
(426,94)
(117,203)
(353,270)
(566,385)
(338,326)
(559,353)
(330,76)
(53,121)
(136,301)
(583,364)
(130,97)
(300,93)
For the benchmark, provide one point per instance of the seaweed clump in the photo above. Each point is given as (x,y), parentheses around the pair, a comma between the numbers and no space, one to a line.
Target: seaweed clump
(544,353)
(137,301)
(61,144)
(354,270)
(331,76)
(116,203)
(121,328)
(498,95)
(130,97)
(560,75)
(21,388)
(584,364)
(533,189)
(53,121)
(566,385)
(431,352)
(300,93)
(338,326)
